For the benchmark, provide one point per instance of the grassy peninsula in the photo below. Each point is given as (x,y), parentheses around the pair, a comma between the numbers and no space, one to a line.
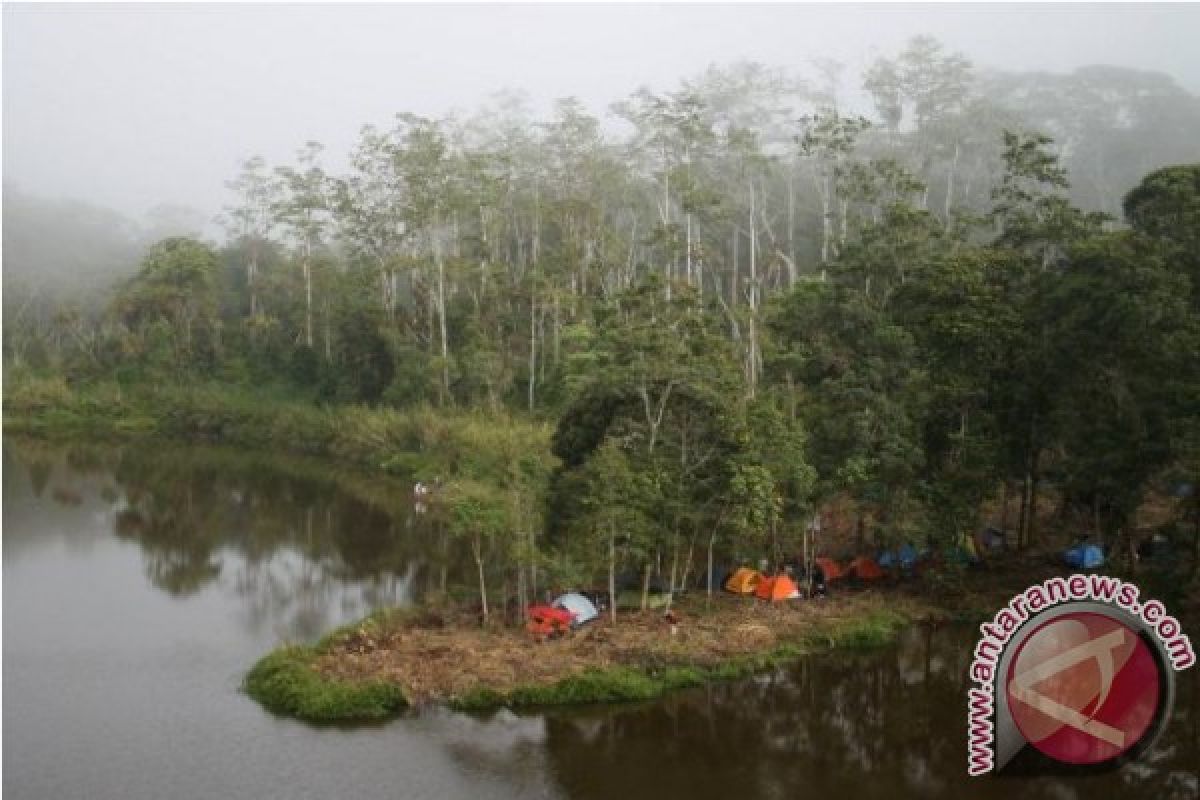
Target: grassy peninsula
(394,659)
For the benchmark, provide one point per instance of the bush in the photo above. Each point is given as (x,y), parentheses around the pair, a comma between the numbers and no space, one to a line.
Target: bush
(26,393)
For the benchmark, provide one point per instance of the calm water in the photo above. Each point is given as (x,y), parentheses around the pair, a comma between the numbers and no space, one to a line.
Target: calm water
(139,587)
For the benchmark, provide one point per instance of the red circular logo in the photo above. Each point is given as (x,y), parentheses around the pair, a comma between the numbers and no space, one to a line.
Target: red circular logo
(1083,688)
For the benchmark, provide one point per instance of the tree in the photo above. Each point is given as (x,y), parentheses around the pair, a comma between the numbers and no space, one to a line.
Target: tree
(251,219)
(1165,206)
(477,512)
(861,391)
(303,211)
(176,287)
(1119,303)
(661,392)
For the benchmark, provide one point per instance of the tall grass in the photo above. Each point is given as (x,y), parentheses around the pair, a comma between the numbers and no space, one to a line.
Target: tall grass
(421,439)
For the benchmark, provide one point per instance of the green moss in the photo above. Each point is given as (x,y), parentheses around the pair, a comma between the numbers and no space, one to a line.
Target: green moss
(285,682)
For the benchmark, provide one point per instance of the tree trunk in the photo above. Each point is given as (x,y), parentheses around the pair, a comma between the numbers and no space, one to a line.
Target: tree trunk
(674,568)
(308,320)
(950,175)
(712,541)
(1023,517)
(791,227)
(1035,480)
(752,365)
(477,548)
(646,587)
(441,268)
(612,572)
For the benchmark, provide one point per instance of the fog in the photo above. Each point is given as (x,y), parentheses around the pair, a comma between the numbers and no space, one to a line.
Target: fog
(137,107)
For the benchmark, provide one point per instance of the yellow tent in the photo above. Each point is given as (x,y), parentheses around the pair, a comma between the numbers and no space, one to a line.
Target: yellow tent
(744,581)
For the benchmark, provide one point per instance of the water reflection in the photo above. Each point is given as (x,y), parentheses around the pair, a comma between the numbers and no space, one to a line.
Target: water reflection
(301,551)
(885,724)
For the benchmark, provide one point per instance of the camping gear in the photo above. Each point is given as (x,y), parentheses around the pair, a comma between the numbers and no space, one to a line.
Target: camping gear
(903,558)
(776,589)
(965,551)
(1157,548)
(581,609)
(1084,556)
(546,622)
(833,571)
(865,568)
(990,540)
(818,585)
(743,581)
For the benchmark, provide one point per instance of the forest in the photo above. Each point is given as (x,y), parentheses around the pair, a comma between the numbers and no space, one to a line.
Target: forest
(671,335)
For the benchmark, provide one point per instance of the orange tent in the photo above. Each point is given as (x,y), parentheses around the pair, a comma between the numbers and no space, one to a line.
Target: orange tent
(776,589)
(831,568)
(744,581)
(866,568)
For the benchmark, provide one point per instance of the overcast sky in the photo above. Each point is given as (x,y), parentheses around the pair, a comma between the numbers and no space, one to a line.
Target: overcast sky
(134,106)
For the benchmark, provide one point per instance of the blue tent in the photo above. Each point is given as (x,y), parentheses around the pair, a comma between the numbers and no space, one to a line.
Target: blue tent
(1084,556)
(905,557)
(583,609)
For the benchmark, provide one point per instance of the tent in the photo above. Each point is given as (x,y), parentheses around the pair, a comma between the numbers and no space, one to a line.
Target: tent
(904,557)
(776,589)
(546,622)
(990,540)
(582,609)
(743,581)
(965,551)
(866,568)
(1084,556)
(831,569)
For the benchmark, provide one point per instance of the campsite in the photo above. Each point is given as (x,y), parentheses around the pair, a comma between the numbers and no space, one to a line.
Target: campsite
(574,649)
(579,400)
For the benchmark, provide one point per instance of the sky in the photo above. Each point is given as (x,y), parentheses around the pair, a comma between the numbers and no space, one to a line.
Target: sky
(135,106)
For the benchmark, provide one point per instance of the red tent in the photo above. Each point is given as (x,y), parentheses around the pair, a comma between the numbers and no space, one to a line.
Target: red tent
(833,571)
(866,568)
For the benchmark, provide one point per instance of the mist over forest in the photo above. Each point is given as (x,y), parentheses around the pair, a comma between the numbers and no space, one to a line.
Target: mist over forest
(928,108)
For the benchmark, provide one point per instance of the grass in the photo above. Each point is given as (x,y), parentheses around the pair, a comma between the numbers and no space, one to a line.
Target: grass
(420,440)
(285,682)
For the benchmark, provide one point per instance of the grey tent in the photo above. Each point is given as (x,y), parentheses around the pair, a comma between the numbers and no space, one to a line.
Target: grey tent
(580,606)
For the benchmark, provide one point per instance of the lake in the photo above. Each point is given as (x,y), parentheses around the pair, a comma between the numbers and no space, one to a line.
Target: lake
(140,583)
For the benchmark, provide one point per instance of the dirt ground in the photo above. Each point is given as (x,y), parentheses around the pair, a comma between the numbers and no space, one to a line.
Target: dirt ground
(439,656)
(435,658)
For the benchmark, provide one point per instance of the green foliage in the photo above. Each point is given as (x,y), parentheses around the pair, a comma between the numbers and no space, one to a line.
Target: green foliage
(285,682)
(1165,206)
(170,306)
